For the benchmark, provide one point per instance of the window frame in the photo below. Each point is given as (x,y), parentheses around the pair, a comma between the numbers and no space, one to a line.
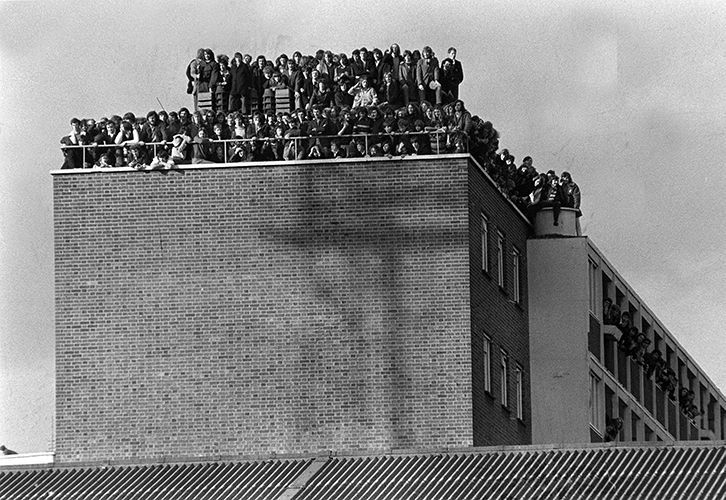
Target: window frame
(501,260)
(484,243)
(487,364)
(596,403)
(504,378)
(516,262)
(519,390)
(592,268)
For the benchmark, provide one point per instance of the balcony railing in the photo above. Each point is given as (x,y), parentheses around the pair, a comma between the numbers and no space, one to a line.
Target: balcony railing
(294,147)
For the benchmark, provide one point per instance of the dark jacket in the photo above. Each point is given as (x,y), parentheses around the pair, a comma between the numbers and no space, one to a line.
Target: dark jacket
(240,79)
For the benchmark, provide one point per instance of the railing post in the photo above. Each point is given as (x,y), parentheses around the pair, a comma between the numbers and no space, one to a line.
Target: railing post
(224,147)
(83,157)
(295,144)
(438,143)
(366,142)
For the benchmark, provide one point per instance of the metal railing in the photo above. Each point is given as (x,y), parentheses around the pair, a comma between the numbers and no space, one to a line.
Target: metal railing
(436,142)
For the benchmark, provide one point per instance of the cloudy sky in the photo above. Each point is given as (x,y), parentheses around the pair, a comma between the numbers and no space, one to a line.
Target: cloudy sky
(629,96)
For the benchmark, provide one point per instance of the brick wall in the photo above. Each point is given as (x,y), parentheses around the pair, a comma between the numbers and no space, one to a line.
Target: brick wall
(264,308)
(496,316)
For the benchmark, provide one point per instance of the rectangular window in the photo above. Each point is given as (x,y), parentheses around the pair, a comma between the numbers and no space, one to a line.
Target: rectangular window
(504,379)
(487,364)
(515,277)
(596,403)
(500,259)
(484,243)
(593,287)
(519,391)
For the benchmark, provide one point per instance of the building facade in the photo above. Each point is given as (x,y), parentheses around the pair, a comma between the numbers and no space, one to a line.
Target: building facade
(289,307)
(581,378)
(350,305)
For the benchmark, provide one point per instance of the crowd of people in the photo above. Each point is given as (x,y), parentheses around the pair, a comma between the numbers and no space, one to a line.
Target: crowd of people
(635,344)
(369,104)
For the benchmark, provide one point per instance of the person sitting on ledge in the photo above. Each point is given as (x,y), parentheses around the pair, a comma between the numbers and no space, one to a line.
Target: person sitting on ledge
(546,196)
(136,157)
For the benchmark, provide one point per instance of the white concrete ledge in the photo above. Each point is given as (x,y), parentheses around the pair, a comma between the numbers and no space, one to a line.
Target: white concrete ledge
(544,223)
(23,459)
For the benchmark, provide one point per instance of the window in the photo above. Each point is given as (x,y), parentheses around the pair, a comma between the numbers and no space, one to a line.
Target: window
(500,259)
(487,364)
(484,243)
(596,403)
(519,391)
(593,287)
(504,379)
(515,277)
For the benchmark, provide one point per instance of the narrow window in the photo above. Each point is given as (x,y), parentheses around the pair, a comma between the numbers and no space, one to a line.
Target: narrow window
(487,364)
(595,403)
(484,243)
(593,287)
(500,259)
(504,379)
(515,277)
(519,391)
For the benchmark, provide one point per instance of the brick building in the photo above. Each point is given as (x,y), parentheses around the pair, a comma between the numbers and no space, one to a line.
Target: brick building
(353,327)
(289,307)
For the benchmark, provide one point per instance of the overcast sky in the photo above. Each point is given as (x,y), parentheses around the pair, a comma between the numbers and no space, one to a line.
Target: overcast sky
(629,96)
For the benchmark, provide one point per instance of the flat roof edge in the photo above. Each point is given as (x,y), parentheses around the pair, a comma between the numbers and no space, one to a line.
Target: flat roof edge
(214,166)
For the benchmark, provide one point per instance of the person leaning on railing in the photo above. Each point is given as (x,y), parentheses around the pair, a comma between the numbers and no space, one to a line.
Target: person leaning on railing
(73,157)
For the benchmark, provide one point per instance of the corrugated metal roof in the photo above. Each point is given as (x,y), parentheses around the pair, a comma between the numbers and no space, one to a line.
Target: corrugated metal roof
(680,471)
(606,472)
(253,480)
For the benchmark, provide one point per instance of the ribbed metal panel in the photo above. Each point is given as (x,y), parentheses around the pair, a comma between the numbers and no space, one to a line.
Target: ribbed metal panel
(257,480)
(667,472)
(688,471)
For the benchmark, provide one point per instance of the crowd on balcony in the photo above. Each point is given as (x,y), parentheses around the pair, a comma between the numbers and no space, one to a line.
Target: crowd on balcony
(371,103)
(635,344)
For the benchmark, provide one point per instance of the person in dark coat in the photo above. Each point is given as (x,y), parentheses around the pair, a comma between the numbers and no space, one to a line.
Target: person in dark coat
(458,73)
(427,77)
(74,156)
(258,81)
(240,76)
